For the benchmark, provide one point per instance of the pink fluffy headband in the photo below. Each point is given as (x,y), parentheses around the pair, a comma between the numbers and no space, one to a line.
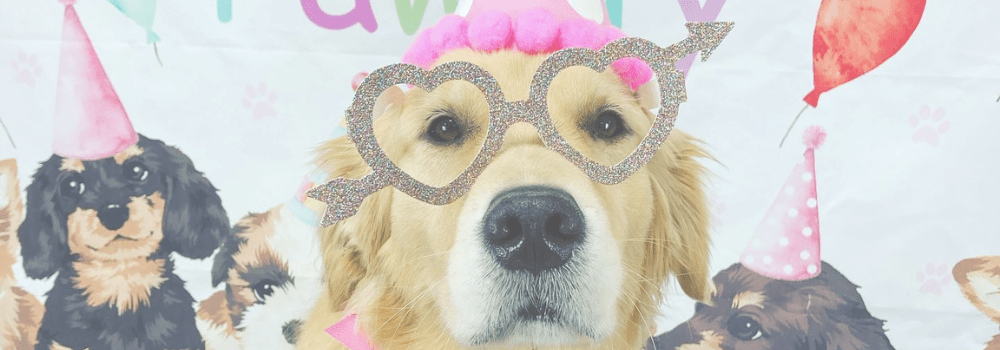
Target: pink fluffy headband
(535,31)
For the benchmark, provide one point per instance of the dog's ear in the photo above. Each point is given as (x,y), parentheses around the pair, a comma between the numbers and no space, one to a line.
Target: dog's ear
(679,239)
(350,246)
(979,279)
(43,233)
(224,259)
(838,317)
(194,221)
(11,206)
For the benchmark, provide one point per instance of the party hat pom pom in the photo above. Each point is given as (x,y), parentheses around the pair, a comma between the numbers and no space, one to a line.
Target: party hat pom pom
(67,2)
(814,136)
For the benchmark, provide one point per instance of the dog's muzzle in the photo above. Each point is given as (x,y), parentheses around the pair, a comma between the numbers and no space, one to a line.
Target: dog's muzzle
(533,228)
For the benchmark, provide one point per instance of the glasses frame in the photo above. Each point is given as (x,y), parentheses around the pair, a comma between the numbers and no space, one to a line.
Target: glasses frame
(343,196)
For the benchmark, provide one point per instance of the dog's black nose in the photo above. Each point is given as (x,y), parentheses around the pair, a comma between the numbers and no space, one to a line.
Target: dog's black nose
(533,228)
(113,216)
(291,331)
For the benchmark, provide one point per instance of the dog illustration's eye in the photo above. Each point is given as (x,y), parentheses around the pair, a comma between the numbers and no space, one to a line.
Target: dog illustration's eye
(444,129)
(263,290)
(608,126)
(72,186)
(745,328)
(135,171)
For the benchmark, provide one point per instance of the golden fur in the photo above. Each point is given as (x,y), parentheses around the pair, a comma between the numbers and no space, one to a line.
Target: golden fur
(386,262)
(979,279)
(20,312)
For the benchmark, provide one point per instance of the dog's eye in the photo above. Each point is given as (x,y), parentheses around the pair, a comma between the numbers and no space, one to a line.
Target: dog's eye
(135,171)
(444,129)
(263,290)
(608,126)
(72,186)
(745,328)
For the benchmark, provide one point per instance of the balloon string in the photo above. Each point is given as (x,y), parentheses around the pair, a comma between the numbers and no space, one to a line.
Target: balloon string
(8,133)
(793,124)
(157,52)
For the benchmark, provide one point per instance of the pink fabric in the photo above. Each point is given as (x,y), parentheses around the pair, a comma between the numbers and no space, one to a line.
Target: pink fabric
(560,8)
(491,31)
(533,29)
(786,245)
(348,333)
(580,33)
(90,121)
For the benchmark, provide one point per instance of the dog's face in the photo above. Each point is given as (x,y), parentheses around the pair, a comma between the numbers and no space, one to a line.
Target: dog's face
(11,214)
(272,272)
(750,311)
(147,198)
(979,279)
(536,253)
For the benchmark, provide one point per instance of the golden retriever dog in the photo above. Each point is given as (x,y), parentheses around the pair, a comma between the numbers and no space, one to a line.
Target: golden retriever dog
(979,279)
(535,255)
(20,312)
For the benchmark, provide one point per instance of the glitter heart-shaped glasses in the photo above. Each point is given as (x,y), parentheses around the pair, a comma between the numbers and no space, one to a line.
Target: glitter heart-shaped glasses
(343,196)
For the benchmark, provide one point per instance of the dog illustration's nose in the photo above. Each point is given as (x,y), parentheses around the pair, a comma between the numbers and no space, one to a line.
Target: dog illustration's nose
(113,216)
(291,331)
(533,228)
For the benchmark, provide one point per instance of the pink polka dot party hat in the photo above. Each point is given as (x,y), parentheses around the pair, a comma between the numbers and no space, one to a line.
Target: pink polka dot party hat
(786,243)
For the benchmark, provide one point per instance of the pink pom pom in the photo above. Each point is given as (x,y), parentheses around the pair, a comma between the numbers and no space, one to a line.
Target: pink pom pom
(536,31)
(580,33)
(422,52)
(67,2)
(490,31)
(633,72)
(449,33)
(814,136)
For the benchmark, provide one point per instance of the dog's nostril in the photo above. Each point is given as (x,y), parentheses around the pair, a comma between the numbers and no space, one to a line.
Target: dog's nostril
(533,228)
(113,216)
(291,331)
(511,229)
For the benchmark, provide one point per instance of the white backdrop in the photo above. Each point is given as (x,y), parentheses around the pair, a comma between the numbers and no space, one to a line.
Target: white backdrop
(891,205)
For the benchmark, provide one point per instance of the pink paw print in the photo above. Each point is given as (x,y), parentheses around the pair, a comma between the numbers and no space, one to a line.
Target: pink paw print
(26,69)
(928,127)
(718,208)
(260,101)
(934,278)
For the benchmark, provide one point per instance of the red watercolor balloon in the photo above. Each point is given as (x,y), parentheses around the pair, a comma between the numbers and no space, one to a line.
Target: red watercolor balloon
(853,37)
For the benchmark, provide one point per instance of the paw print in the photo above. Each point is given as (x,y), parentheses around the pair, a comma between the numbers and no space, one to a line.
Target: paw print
(933,278)
(928,127)
(260,101)
(26,69)
(718,208)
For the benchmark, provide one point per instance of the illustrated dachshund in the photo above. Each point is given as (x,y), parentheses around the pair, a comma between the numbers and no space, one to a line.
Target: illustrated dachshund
(20,311)
(106,228)
(979,279)
(751,312)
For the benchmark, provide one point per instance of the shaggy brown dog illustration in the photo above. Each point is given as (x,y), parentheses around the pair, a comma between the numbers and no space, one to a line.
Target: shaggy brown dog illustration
(753,312)
(979,279)
(20,312)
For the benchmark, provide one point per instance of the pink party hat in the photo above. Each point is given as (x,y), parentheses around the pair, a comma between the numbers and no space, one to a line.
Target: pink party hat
(529,26)
(90,121)
(786,244)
